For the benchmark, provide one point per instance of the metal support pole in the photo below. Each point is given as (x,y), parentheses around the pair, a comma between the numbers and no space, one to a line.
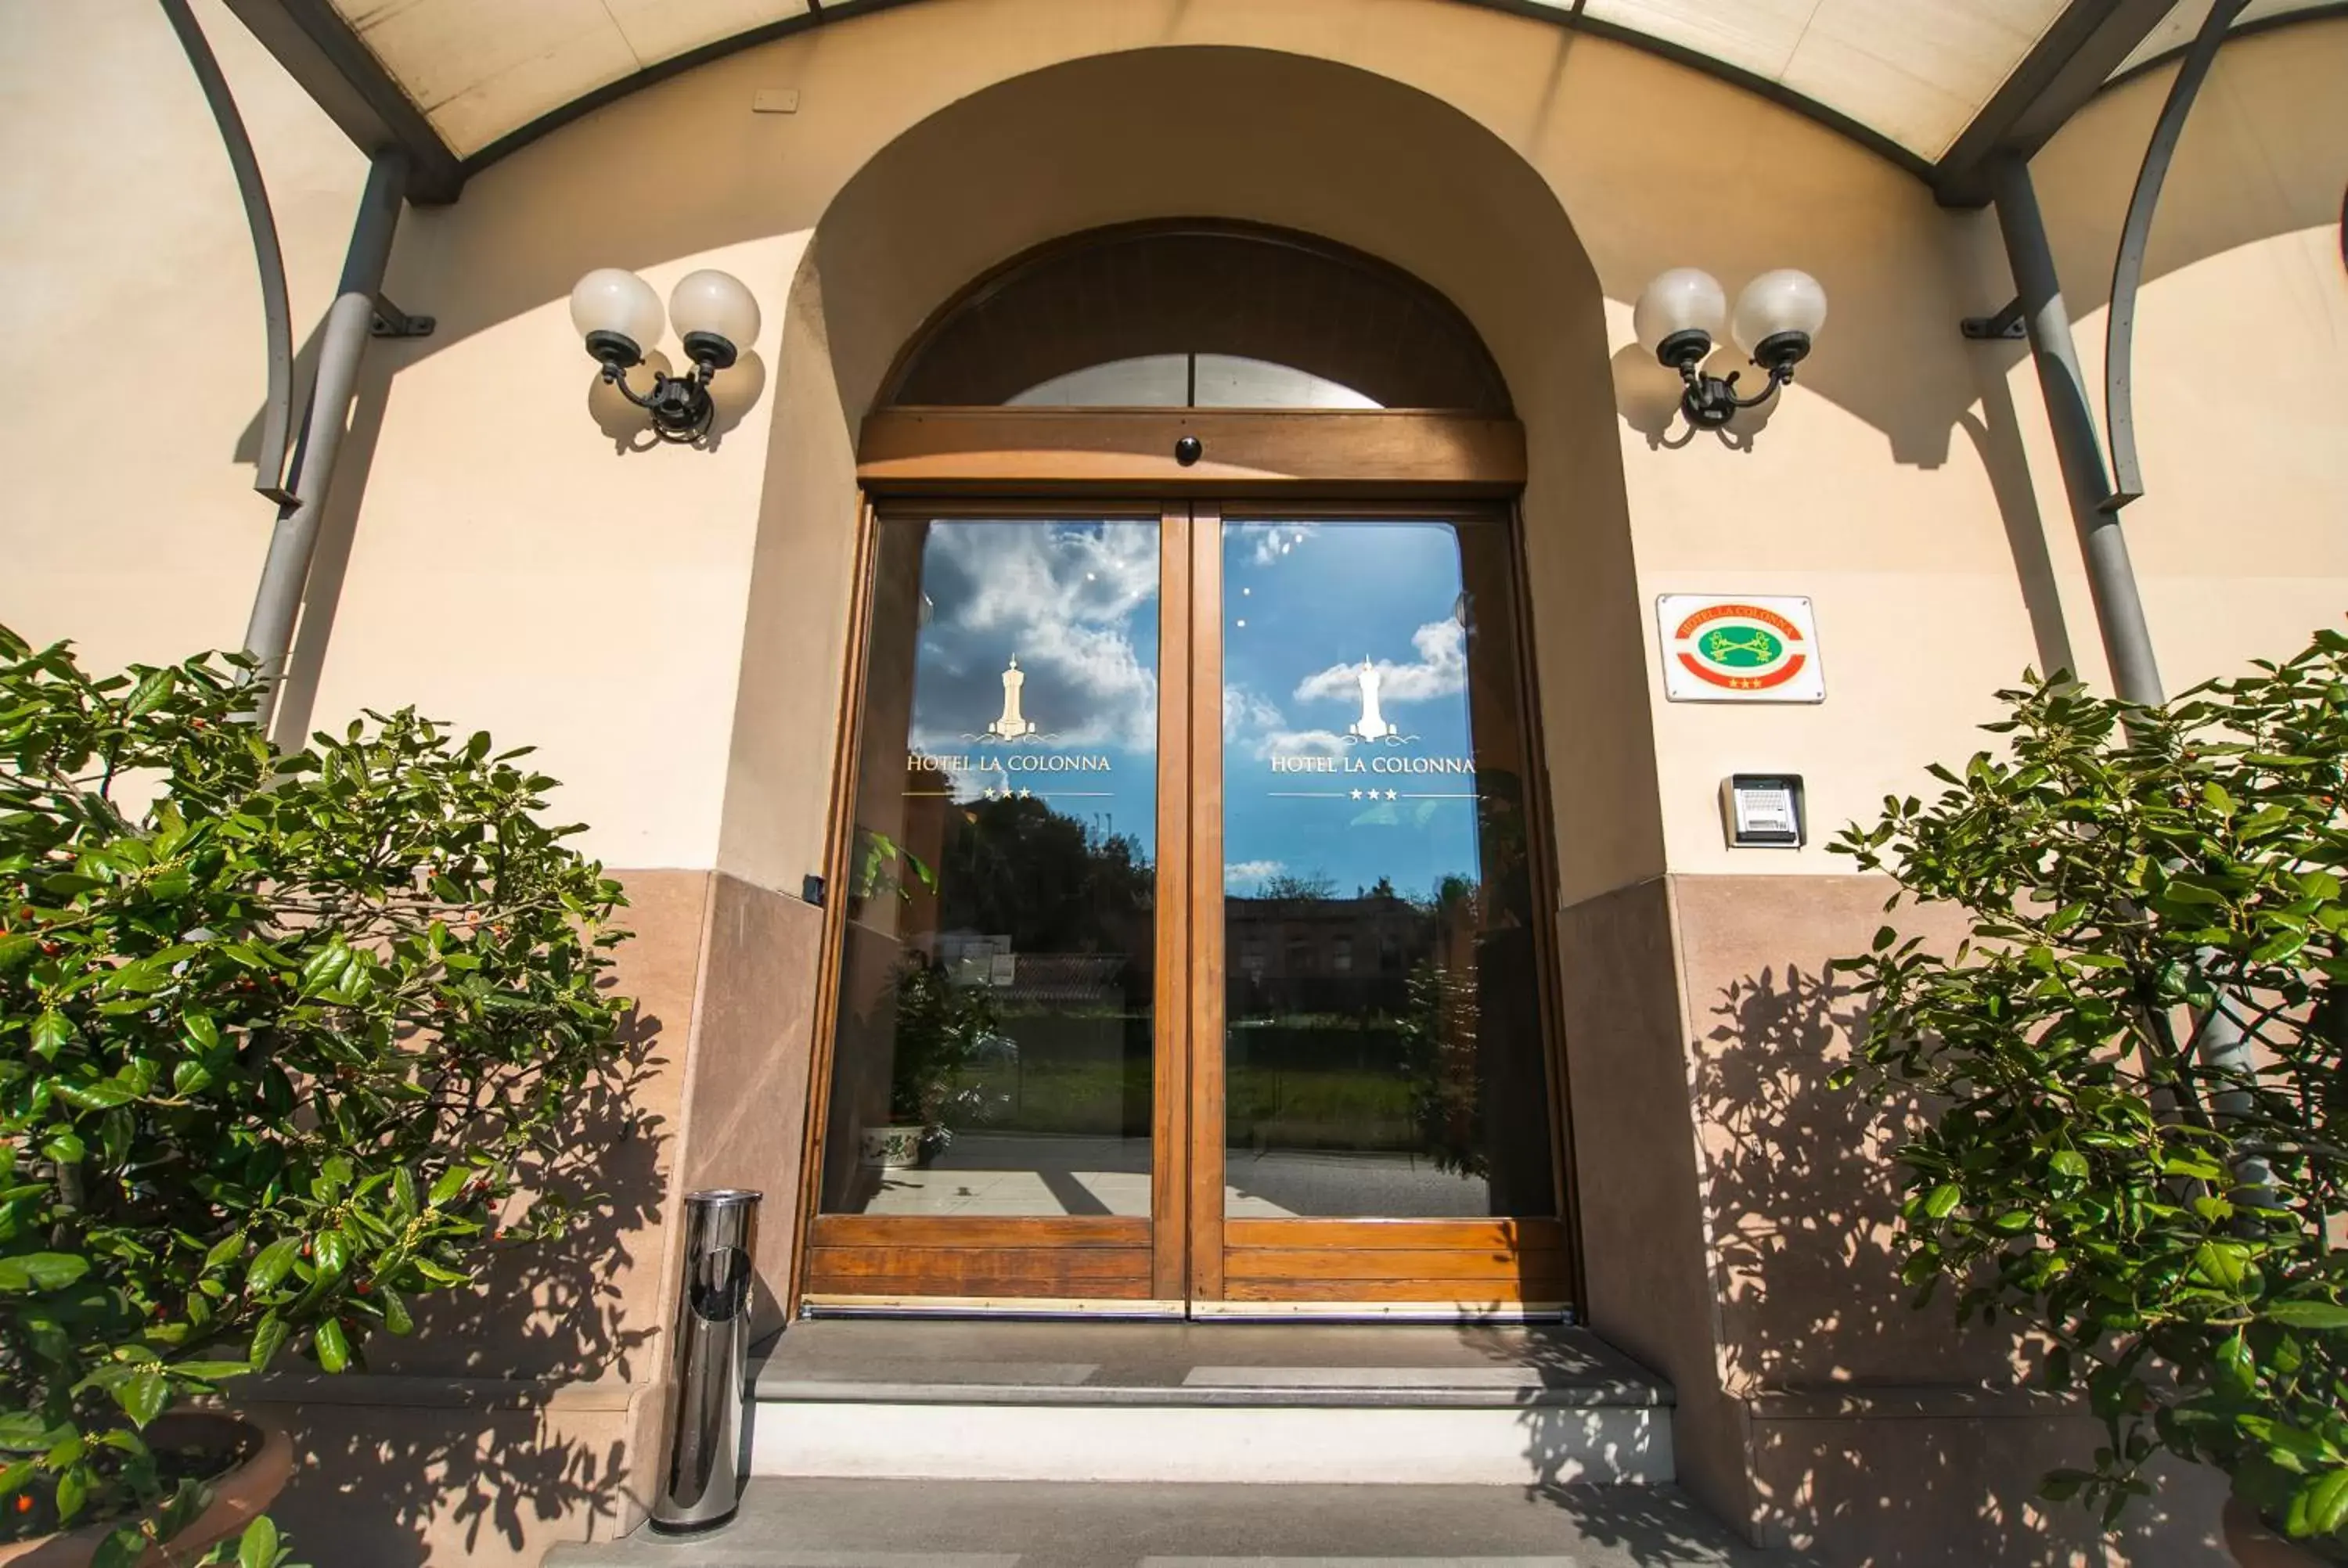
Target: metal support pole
(2119,613)
(341,344)
(276,316)
(2127,265)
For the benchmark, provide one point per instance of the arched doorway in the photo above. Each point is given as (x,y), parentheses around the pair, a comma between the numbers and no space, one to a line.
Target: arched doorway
(1189,944)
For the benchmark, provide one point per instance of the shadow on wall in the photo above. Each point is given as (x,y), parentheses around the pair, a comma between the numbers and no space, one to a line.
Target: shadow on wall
(1654,1523)
(530,224)
(491,1446)
(1882,1430)
(1656,1526)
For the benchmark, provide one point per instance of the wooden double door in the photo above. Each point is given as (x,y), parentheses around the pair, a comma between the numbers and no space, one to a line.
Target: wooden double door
(1188,942)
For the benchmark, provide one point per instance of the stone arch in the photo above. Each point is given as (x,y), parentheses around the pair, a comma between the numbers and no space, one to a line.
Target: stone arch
(1226,133)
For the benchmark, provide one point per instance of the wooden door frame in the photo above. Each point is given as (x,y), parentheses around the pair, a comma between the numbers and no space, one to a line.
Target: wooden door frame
(1112,1263)
(1262,454)
(1036,462)
(1306,1266)
(1171,1201)
(1207,961)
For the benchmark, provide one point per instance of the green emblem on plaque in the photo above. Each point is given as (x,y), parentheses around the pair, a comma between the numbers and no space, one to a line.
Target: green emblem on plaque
(1743,647)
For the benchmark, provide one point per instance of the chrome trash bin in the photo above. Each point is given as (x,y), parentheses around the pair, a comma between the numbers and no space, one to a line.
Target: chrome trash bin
(700,1481)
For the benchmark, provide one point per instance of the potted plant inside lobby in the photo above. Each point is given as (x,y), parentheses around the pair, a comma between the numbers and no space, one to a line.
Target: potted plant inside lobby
(281,1037)
(2132,1070)
(940,1027)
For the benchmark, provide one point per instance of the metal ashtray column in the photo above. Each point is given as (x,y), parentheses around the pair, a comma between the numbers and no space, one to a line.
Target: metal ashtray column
(701,1472)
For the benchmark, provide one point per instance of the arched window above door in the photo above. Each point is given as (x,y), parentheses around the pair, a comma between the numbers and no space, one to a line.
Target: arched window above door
(1200,316)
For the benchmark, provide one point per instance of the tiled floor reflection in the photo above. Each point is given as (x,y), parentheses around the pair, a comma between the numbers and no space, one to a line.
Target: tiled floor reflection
(1014,1177)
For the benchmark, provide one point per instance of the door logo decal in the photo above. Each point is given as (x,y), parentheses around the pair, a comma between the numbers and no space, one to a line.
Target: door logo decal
(1013,726)
(1372,725)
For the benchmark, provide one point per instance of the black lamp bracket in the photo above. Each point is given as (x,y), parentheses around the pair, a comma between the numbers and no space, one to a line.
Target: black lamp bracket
(1710,402)
(680,406)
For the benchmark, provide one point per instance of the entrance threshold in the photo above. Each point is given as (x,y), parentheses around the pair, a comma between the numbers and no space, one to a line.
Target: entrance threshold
(1464,1403)
(815,1305)
(1200,1310)
(1418,1312)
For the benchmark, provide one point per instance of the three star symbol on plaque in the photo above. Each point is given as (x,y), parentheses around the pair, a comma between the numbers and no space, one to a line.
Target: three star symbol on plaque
(1373,794)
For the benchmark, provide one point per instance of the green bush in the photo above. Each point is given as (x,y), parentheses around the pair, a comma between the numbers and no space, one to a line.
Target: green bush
(2169,1214)
(280,1035)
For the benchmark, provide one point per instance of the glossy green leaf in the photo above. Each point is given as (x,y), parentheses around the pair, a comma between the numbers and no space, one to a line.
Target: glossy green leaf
(41,1271)
(2223,1264)
(2324,1315)
(257,1547)
(269,1337)
(271,1265)
(2320,1507)
(201,1031)
(50,1032)
(143,1397)
(101,1094)
(211,1371)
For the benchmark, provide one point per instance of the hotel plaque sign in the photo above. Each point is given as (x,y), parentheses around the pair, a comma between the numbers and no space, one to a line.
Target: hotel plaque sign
(1751,648)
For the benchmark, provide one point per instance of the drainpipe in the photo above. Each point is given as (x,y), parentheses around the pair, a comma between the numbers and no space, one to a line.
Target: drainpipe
(341,344)
(2218,1039)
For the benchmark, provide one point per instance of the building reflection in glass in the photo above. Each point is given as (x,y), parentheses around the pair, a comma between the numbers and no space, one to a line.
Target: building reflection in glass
(1384,1054)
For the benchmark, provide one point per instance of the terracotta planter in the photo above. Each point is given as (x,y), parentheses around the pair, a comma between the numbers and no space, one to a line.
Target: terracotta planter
(2255,1546)
(237,1498)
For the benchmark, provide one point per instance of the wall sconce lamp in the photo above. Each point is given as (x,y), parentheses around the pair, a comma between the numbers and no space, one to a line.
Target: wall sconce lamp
(619,317)
(1683,310)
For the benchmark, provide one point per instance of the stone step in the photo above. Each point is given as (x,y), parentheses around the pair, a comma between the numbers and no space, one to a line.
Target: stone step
(1015,1524)
(1205,1402)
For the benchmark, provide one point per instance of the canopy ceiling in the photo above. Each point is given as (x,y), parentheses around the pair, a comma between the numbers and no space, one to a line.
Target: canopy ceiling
(1908,76)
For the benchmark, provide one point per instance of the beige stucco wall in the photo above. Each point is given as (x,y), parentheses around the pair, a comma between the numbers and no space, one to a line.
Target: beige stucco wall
(126,285)
(507,564)
(668,624)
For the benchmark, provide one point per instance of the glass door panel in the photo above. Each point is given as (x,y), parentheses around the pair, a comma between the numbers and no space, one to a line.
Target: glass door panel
(1381,1021)
(1188,926)
(993,1051)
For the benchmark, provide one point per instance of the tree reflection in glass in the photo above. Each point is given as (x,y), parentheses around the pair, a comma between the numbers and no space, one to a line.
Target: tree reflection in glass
(994,1049)
(1383,1052)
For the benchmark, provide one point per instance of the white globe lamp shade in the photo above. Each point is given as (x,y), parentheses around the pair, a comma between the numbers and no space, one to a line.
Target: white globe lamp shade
(1778,315)
(715,315)
(617,313)
(1676,307)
